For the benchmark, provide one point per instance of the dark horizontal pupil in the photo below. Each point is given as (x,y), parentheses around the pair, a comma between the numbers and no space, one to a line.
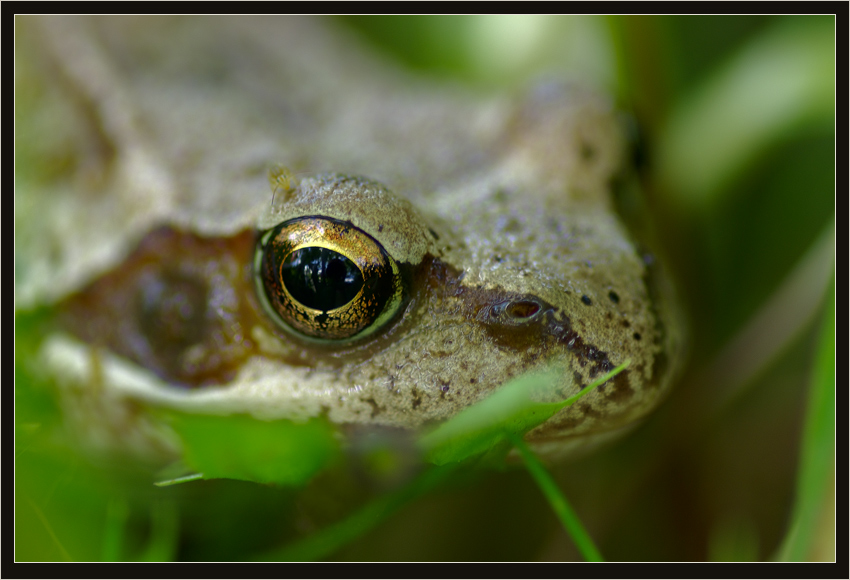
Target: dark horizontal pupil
(320,278)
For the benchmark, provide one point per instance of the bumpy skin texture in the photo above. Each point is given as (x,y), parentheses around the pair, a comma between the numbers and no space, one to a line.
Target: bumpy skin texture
(499,210)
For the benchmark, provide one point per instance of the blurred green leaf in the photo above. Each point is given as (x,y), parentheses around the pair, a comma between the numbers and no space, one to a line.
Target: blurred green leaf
(817,457)
(505,50)
(734,538)
(60,504)
(781,79)
(241,447)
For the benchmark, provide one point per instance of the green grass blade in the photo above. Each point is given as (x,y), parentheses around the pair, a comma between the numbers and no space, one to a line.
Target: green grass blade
(572,524)
(817,453)
(178,480)
(117,513)
(510,411)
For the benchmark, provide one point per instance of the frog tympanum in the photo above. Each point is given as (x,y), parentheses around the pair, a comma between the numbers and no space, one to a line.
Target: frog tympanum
(426,246)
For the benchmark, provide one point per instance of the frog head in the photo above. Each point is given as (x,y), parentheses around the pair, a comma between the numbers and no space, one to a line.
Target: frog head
(483,245)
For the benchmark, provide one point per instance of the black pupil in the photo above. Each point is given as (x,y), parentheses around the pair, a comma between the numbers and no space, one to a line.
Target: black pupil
(320,278)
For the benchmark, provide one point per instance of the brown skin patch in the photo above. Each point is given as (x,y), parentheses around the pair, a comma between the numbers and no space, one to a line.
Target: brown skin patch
(179,305)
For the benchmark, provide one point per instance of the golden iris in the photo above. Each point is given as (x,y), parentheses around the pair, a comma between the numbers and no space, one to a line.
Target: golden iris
(326,279)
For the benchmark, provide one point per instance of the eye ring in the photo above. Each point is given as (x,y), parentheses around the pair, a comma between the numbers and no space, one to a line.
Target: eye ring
(324,279)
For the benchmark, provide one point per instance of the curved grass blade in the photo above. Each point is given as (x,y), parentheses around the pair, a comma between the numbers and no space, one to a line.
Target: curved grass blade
(572,524)
(510,411)
(816,473)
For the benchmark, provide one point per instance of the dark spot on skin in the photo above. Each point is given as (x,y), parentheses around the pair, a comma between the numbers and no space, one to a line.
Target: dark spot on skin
(434,234)
(625,323)
(586,299)
(417,400)
(614,297)
(376,409)
(636,336)
(473,381)
(444,387)
(380,228)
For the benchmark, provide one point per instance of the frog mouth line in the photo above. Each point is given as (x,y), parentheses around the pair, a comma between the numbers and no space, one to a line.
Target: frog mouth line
(183,306)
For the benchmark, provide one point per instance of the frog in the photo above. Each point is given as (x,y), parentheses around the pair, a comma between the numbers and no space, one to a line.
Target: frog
(264,216)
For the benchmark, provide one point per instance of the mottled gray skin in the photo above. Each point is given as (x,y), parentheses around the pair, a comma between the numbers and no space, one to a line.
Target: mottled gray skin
(126,124)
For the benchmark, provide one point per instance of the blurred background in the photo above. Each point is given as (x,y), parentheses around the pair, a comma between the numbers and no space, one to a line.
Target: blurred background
(734,129)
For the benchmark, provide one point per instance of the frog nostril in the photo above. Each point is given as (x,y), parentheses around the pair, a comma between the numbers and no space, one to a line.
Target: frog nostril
(522,309)
(512,313)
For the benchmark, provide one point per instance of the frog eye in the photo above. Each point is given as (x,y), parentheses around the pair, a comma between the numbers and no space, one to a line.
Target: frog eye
(326,279)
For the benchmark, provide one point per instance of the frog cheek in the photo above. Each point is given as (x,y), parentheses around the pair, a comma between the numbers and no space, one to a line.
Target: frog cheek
(324,279)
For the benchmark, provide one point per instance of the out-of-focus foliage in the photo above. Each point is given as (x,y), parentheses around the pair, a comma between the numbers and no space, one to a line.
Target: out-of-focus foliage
(240,447)
(735,152)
